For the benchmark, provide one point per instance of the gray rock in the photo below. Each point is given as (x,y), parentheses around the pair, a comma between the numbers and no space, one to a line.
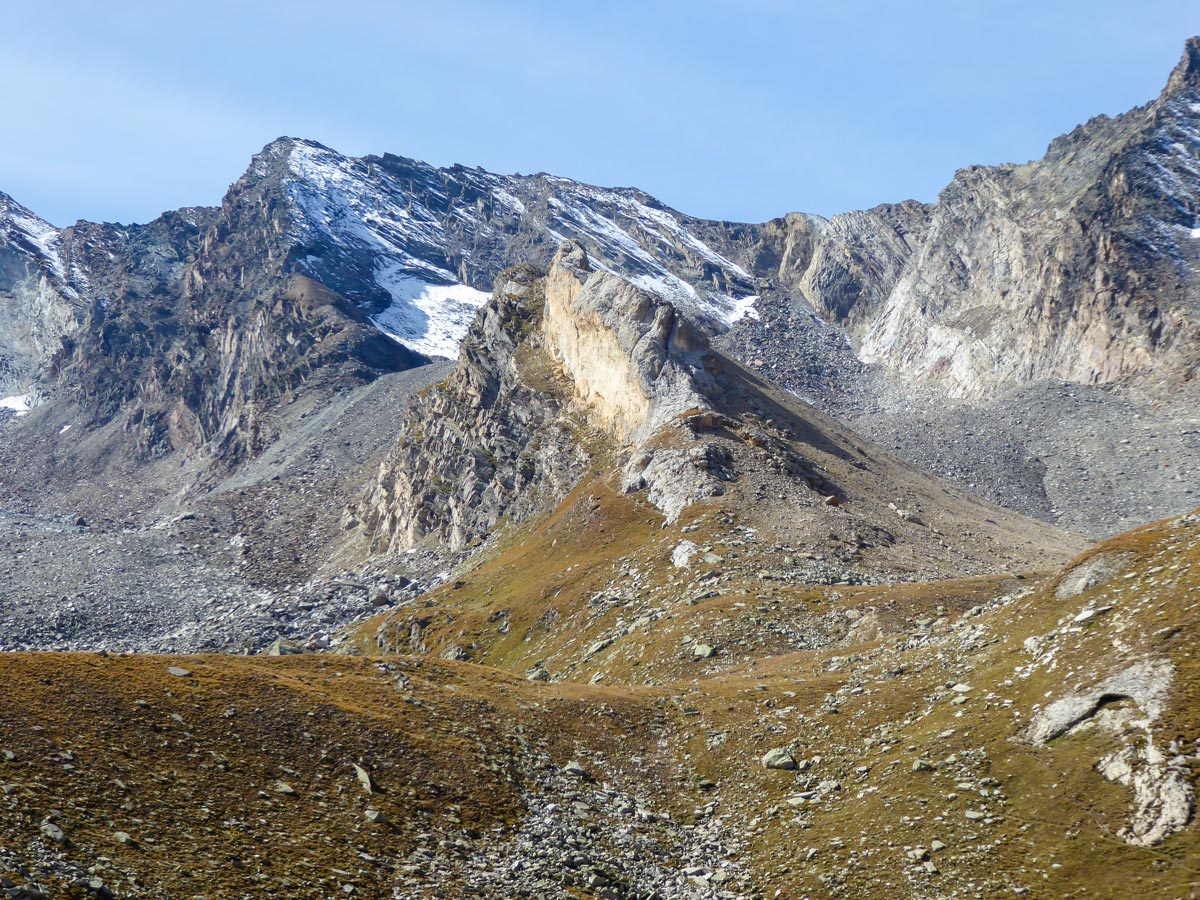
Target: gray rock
(284,647)
(575,769)
(779,758)
(683,552)
(598,647)
(1145,683)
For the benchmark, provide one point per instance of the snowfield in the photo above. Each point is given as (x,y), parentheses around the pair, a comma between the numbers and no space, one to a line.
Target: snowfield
(18,403)
(429,318)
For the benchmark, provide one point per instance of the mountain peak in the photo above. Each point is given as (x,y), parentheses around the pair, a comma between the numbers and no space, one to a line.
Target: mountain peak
(1186,74)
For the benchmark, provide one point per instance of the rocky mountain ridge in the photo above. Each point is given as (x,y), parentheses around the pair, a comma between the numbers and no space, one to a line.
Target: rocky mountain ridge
(605,607)
(38,304)
(996,285)
(582,370)
(1080,267)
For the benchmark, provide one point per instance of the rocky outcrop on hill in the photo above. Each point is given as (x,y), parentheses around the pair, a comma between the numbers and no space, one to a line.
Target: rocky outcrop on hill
(38,304)
(491,441)
(582,371)
(1080,267)
(632,359)
(847,266)
(551,359)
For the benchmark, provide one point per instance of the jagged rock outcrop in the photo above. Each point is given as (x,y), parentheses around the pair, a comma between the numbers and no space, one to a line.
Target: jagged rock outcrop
(1127,704)
(38,304)
(1080,267)
(633,360)
(578,350)
(644,373)
(847,266)
(490,442)
(549,355)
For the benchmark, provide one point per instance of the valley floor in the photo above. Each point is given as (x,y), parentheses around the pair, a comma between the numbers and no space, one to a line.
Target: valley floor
(962,743)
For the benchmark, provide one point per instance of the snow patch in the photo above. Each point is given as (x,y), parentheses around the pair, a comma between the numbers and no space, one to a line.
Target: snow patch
(18,403)
(743,308)
(510,200)
(428,318)
(722,307)
(44,236)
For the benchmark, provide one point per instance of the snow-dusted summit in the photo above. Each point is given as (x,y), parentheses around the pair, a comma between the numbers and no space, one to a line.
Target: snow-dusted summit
(418,247)
(38,303)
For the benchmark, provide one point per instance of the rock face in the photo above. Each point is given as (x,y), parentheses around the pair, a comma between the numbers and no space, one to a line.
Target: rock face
(38,304)
(1080,267)
(200,323)
(633,360)
(546,355)
(485,442)
(845,267)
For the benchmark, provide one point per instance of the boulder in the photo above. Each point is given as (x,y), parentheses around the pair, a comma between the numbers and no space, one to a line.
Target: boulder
(779,758)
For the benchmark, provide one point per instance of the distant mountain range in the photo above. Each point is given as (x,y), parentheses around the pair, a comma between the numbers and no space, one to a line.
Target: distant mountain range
(318,272)
(658,586)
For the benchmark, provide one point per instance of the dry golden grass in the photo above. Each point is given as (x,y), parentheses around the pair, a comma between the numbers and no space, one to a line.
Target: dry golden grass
(189,767)
(454,746)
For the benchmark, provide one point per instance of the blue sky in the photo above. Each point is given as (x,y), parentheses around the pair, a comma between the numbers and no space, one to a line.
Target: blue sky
(737,109)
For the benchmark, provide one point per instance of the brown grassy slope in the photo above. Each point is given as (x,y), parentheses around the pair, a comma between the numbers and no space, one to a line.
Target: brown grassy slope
(190,767)
(191,772)
(874,701)
(1051,822)
(598,570)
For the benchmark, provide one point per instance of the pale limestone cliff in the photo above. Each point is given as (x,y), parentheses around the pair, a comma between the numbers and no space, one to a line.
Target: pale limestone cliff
(491,442)
(548,358)
(632,360)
